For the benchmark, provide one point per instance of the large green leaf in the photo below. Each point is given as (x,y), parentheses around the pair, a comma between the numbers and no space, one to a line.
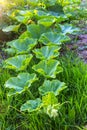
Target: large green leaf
(25,13)
(47,52)
(54,7)
(51,38)
(50,3)
(23,16)
(61,18)
(10,28)
(48,68)
(31,105)
(36,30)
(22,19)
(54,86)
(48,21)
(68,29)
(44,14)
(39,14)
(24,34)
(18,63)
(21,82)
(21,46)
(33,3)
(10,51)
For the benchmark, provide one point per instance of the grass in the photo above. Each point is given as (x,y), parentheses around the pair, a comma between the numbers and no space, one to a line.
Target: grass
(75,76)
(73,112)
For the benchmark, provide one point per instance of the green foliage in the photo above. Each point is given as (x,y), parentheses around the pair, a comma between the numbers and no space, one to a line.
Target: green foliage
(49,68)
(51,105)
(70,115)
(10,28)
(36,26)
(21,46)
(52,38)
(47,21)
(34,99)
(36,30)
(32,105)
(47,52)
(21,82)
(54,86)
(75,76)
(68,29)
(18,63)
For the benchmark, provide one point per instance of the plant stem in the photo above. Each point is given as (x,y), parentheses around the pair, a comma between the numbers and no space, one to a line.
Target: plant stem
(31,95)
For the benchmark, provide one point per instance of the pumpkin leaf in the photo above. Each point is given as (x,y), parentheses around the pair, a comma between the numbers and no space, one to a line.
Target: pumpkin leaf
(23,16)
(47,52)
(54,86)
(61,18)
(68,29)
(51,38)
(48,69)
(49,99)
(33,3)
(18,63)
(39,14)
(25,34)
(50,105)
(21,82)
(22,45)
(31,105)
(25,12)
(57,8)
(48,21)
(22,19)
(36,30)
(13,28)
(10,51)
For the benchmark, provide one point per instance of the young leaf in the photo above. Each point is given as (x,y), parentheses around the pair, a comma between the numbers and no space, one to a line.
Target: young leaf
(49,99)
(50,104)
(47,52)
(31,105)
(18,63)
(54,86)
(48,69)
(21,82)
(51,38)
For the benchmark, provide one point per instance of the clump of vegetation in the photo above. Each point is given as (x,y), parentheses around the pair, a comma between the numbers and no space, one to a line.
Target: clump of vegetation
(42,90)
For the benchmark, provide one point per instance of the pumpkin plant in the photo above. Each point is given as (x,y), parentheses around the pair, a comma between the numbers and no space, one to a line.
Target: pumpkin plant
(39,43)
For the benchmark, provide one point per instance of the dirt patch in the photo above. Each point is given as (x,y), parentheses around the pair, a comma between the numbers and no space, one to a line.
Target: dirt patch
(80,46)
